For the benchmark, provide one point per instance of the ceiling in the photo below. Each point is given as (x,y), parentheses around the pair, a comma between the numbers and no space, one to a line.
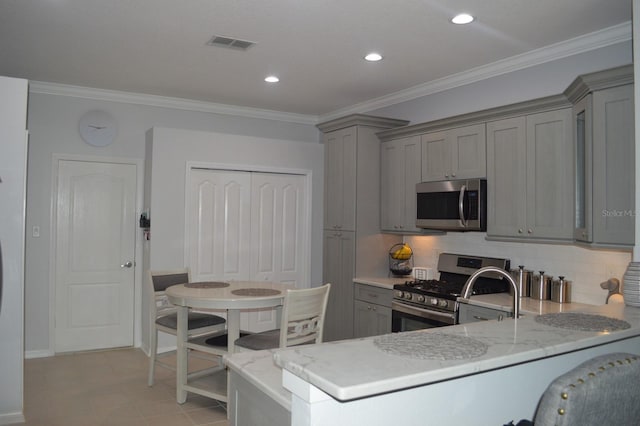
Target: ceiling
(316,47)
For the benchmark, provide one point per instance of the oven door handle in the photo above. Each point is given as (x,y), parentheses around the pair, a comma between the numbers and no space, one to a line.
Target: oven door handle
(424,313)
(463,219)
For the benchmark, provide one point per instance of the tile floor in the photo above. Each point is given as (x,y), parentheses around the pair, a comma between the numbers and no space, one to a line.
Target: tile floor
(110,388)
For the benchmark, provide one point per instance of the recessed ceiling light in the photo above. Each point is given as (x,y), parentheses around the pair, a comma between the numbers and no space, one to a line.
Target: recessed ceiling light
(272,79)
(463,18)
(373,57)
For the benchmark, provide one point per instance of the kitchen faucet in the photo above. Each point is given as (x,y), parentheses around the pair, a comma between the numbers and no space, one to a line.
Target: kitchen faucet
(468,286)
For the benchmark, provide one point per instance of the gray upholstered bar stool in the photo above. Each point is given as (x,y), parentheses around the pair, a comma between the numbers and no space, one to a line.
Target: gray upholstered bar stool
(604,390)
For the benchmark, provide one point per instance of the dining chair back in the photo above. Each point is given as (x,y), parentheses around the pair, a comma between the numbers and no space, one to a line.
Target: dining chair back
(604,390)
(303,317)
(164,315)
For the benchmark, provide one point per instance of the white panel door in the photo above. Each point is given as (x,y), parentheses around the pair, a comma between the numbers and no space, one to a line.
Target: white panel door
(219,224)
(95,247)
(277,223)
(278,219)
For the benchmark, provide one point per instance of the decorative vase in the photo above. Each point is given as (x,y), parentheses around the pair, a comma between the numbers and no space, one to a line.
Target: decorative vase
(631,284)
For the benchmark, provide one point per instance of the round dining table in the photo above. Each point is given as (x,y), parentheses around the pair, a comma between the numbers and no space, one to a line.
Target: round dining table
(232,296)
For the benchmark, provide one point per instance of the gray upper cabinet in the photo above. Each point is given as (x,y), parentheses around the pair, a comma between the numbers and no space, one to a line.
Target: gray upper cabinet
(457,153)
(340,179)
(400,172)
(603,114)
(530,176)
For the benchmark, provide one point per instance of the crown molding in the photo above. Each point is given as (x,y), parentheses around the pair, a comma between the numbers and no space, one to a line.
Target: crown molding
(360,120)
(41,87)
(600,80)
(598,39)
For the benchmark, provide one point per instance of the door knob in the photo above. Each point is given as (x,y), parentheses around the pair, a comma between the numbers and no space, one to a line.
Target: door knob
(128,264)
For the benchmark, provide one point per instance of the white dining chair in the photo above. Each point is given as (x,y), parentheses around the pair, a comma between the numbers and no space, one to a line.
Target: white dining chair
(164,315)
(303,315)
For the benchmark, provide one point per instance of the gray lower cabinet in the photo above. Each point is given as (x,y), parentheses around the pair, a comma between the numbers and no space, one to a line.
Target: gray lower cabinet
(339,269)
(471,313)
(250,406)
(530,176)
(372,310)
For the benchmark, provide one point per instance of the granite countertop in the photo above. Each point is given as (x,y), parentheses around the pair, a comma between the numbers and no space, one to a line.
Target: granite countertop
(380,282)
(359,368)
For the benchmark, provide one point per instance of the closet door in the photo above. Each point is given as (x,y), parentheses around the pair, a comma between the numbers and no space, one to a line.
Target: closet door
(248,226)
(219,225)
(278,223)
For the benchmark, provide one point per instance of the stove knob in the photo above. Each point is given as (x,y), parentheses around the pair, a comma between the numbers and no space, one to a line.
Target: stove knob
(443,303)
(399,293)
(434,302)
(420,298)
(407,296)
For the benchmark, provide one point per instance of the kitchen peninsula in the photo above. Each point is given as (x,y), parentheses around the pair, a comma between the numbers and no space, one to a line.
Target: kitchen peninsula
(480,373)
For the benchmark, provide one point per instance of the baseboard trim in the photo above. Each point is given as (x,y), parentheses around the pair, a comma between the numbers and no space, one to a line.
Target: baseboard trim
(11,418)
(43,353)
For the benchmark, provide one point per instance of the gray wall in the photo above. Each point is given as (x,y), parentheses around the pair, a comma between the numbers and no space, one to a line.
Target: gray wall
(534,82)
(53,127)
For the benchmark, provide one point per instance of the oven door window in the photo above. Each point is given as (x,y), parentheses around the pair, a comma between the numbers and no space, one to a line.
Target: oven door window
(404,321)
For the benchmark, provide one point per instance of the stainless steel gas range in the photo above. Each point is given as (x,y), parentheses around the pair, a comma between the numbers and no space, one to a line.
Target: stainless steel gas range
(422,304)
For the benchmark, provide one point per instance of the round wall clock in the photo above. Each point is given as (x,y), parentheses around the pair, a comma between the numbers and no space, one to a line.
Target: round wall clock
(98,128)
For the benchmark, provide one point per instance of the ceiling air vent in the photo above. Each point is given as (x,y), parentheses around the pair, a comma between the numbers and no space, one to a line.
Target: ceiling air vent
(232,43)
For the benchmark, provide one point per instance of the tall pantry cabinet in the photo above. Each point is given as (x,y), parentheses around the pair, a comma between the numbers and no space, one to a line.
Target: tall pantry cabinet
(353,244)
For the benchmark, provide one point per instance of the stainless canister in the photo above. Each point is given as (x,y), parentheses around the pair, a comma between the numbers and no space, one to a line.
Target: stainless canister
(541,286)
(561,290)
(522,277)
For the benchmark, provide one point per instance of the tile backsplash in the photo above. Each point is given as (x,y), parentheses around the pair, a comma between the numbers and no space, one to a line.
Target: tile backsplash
(585,268)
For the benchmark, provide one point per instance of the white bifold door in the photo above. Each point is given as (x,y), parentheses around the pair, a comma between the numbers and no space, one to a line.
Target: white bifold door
(248,226)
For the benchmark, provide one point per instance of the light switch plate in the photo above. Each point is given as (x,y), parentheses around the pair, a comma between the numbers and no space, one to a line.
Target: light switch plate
(420,273)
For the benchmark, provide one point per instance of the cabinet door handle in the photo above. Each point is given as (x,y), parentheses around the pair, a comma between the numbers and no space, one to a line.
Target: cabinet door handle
(520,231)
(480,318)
(529,231)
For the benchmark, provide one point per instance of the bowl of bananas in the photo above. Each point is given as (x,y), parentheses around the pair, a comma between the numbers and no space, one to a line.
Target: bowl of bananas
(401,259)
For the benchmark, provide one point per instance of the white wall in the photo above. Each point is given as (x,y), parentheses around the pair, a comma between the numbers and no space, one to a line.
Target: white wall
(13,156)
(173,150)
(585,267)
(53,123)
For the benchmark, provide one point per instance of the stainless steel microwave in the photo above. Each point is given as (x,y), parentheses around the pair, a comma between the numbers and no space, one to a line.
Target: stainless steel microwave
(452,205)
